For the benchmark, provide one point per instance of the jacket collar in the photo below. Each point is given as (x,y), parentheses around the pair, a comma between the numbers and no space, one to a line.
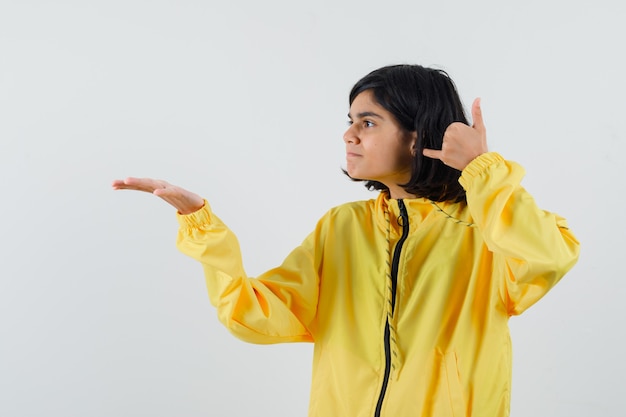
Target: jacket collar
(419,209)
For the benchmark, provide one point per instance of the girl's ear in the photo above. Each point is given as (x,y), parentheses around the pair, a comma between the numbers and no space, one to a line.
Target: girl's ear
(413,143)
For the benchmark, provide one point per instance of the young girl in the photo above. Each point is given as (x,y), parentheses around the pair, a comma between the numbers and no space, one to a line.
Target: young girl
(407,297)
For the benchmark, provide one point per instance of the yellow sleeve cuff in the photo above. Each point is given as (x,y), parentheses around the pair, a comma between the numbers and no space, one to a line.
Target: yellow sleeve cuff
(198,219)
(478,166)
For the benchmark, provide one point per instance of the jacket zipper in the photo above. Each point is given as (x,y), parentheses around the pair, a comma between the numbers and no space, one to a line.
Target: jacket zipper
(394,284)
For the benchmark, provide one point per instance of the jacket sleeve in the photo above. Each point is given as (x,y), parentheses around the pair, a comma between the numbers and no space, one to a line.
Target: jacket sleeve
(275,307)
(532,248)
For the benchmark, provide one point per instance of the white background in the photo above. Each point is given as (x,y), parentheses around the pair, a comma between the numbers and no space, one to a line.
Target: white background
(245,103)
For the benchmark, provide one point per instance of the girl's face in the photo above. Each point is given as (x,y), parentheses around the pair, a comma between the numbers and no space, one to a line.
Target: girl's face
(377,148)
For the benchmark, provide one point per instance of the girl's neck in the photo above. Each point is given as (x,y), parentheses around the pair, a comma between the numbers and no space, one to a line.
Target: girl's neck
(398,192)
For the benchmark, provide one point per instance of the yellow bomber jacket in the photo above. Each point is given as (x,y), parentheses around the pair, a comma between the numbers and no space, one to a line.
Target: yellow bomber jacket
(407,301)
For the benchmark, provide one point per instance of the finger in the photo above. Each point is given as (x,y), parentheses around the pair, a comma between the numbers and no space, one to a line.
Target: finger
(121,185)
(131,185)
(432,153)
(144,184)
(173,195)
(477,116)
(116,184)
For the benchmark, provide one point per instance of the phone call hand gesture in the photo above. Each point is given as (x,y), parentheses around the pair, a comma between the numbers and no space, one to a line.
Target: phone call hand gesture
(184,201)
(462,143)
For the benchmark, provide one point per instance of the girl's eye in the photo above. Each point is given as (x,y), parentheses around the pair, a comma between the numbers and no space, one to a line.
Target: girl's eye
(366,123)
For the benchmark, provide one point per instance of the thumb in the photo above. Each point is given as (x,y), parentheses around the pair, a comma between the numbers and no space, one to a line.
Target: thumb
(477,116)
(432,153)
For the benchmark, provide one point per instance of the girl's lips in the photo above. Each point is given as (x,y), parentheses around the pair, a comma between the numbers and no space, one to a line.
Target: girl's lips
(351,155)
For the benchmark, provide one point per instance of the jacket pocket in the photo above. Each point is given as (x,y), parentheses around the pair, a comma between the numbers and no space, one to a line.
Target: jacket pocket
(451,395)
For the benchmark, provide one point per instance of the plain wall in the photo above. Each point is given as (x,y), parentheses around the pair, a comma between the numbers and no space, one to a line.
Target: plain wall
(245,102)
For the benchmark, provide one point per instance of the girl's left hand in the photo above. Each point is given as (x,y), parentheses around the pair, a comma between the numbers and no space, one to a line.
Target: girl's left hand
(185,201)
(462,143)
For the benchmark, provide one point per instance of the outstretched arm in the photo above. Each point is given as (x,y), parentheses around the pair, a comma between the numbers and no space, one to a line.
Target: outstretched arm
(275,307)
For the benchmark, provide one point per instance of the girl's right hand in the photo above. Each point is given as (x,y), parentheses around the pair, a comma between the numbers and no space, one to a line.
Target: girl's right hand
(462,143)
(185,201)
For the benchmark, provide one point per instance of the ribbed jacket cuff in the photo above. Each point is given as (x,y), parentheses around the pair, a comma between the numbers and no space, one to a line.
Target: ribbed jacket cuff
(197,219)
(478,166)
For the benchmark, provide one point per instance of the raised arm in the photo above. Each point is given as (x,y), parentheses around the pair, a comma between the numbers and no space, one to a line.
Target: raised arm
(532,248)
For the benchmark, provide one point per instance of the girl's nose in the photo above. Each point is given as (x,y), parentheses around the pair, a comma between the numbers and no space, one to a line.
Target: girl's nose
(350,136)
